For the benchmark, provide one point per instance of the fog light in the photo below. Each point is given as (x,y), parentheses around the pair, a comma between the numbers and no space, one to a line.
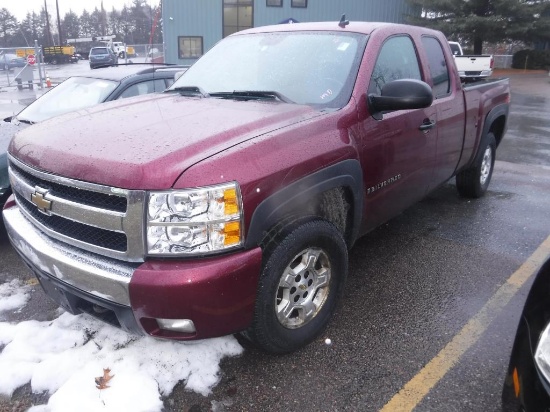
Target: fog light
(177,325)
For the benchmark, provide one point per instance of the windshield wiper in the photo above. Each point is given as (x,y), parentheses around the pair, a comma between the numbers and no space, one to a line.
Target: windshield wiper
(189,91)
(252,95)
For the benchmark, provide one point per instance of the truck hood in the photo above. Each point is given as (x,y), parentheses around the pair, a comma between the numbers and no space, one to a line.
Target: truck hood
(147,142)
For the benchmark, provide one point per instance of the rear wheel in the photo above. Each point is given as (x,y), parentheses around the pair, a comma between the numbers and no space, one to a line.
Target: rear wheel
(122,55)
(473,182)
(304,269)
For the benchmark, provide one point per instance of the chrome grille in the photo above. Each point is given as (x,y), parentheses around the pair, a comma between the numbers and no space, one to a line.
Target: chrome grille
(97,218)
(110,202)
(70,228)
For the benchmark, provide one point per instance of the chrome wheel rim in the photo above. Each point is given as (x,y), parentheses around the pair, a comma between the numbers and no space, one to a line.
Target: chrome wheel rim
(486,164)
(303,288)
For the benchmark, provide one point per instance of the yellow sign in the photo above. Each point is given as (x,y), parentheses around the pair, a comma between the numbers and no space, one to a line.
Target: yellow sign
(24,52)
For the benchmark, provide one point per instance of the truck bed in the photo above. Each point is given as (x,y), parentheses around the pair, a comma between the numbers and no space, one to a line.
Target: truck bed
(479,97)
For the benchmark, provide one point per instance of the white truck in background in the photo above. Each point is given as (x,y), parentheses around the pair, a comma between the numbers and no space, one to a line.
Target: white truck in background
(471,66)
(122,50)
(84,44)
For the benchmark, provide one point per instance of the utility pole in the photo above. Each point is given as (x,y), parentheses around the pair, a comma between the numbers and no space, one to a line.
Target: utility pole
(59,23)
(48,30)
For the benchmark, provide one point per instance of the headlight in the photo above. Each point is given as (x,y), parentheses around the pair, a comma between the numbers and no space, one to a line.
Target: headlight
(542,353)
(194,221)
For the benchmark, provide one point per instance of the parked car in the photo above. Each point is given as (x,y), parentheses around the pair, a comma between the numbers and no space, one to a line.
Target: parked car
(81,92)
(471,67)
(9,61)
(102,56)
(231,200)
(527,383)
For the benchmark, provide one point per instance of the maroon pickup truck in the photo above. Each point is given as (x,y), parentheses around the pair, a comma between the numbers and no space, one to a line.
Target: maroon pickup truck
(228,203)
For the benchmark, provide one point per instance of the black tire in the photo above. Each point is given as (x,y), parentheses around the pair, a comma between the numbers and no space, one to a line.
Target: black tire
(54,61)
(473,182)
(280,323)
(121,55)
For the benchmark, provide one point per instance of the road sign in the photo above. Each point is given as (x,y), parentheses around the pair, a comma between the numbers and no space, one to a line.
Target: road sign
(31,59)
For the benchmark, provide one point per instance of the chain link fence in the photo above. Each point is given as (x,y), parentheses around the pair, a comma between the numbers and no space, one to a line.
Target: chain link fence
(13,60)
(503,61)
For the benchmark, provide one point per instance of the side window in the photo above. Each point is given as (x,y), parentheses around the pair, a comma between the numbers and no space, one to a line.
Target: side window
(438,66)
(159,85)
(149,86)
(396,60)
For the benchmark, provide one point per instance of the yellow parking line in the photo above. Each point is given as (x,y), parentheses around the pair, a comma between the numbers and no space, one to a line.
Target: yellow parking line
(418,387)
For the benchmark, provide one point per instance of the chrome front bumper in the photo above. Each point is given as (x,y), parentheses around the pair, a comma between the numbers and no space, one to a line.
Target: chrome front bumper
(103,277)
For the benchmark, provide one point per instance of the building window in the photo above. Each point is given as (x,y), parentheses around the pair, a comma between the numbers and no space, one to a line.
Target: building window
(298,3)
(189,47)
(237,16)
(274,3)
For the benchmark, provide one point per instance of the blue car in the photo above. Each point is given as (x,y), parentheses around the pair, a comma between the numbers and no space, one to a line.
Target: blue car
(102,57)
(9,61)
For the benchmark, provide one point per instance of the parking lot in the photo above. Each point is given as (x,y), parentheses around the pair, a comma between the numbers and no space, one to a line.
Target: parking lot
(432,300)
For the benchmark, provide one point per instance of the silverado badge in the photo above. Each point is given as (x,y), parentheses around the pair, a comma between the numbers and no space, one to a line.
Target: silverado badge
(41,203)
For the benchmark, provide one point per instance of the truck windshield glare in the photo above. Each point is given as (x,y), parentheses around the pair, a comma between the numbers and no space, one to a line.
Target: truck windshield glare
(312,68)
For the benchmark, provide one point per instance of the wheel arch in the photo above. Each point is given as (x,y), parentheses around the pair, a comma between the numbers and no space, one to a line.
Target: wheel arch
(495,122)
(307,196)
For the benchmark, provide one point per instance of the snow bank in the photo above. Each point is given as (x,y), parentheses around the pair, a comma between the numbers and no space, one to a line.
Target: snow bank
(65,356)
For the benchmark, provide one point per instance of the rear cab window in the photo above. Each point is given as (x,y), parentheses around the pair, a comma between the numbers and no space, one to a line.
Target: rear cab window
(438,67)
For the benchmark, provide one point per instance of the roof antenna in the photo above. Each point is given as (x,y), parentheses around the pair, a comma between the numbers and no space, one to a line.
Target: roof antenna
(343,22)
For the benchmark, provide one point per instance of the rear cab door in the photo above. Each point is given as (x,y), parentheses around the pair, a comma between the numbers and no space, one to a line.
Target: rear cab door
(448,103)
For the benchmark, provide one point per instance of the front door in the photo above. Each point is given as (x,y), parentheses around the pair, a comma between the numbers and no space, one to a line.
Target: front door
(396,155)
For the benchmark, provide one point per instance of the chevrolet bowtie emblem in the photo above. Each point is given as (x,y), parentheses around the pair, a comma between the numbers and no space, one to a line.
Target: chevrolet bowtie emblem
(41,203)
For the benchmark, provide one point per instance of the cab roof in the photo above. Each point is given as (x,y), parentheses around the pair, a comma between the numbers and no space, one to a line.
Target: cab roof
(353,26)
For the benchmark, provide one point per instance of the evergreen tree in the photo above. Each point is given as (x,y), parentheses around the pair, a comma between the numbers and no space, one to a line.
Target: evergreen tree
(86,26)
(476,21)
(70,25)
(8,27)
(114,25)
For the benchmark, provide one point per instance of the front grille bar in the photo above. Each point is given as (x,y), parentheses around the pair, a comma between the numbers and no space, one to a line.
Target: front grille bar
(68,200)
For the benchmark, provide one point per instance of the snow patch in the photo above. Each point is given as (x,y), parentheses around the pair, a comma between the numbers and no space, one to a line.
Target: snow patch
(13,295)
(64,356)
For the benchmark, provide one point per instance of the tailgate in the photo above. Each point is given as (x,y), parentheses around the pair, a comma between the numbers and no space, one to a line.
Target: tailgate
(474,66)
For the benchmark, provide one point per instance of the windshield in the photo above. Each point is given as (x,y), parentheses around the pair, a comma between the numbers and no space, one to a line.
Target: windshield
(73,94)
(313,68)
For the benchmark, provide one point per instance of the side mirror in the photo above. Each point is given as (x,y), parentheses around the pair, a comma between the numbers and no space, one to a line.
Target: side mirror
(402,94)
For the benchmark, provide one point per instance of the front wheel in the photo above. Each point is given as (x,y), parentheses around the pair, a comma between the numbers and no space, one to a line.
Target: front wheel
(473,182)
(304,269)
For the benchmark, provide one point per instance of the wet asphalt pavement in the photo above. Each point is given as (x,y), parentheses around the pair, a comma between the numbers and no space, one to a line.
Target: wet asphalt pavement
(413,284)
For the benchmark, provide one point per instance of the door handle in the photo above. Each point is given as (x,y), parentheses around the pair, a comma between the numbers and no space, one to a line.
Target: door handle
(427,125)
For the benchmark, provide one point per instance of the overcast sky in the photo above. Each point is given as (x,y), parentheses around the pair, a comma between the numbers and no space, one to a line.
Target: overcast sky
(19,8)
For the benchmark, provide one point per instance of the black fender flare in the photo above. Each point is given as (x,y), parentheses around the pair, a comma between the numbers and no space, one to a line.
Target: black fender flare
(271,210)
(496,112)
